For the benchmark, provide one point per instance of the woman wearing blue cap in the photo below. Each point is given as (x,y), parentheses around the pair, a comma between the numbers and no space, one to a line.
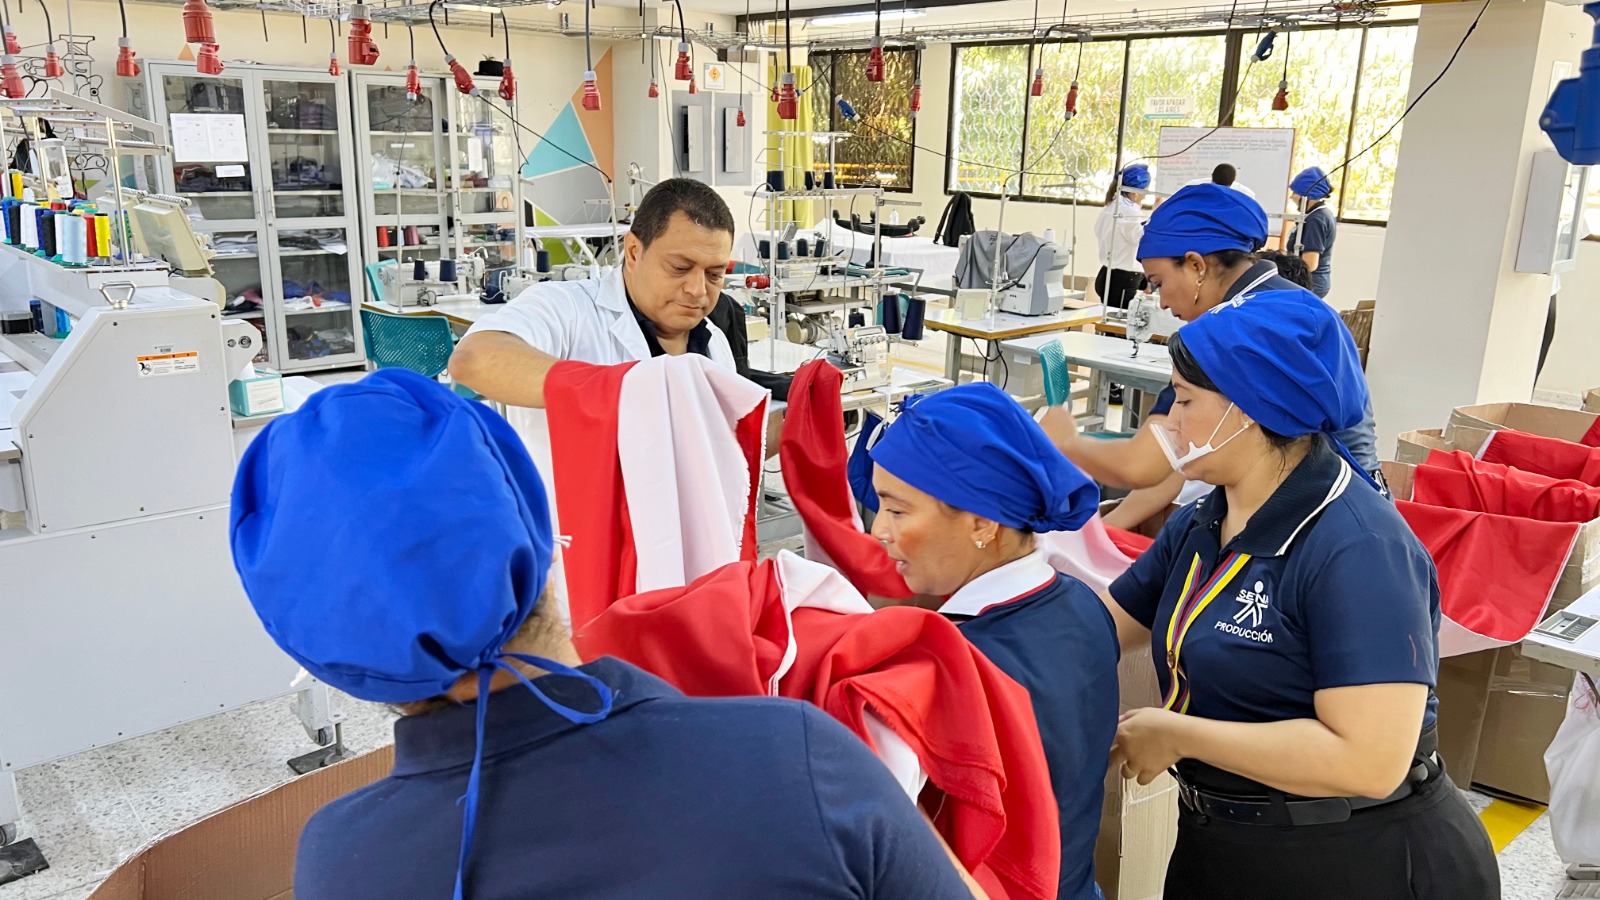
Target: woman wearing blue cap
(1314,239)
(965,478)
(1118,230)
(1198,252)
(1294,621)
(591,781)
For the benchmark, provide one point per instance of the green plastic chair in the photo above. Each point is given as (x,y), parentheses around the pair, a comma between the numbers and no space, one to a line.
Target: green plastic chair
(422,344)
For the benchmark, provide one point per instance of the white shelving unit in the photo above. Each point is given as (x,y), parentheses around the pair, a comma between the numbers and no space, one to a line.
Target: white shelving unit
(290,198)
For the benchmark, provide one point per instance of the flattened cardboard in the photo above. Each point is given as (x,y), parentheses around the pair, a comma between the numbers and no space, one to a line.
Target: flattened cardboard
(1546,421)
(244,852)
(1526,703)
(1138,824)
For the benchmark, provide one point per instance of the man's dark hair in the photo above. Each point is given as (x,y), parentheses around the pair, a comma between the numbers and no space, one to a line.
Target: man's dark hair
(1224,175)
(695,199)
(1290,267)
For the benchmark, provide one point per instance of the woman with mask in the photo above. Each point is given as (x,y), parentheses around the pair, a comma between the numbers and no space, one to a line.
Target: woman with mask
(965,479)
(1294,622)
(1197,252)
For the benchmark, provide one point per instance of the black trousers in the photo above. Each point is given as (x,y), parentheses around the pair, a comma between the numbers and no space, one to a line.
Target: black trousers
(1429,846)
(1123,285)
(1549,337)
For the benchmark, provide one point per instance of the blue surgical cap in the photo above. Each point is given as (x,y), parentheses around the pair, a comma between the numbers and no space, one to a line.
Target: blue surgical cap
(1284,359)
(391,535)
(977,449)
(1136,177)
(1204,218)
(1312,184)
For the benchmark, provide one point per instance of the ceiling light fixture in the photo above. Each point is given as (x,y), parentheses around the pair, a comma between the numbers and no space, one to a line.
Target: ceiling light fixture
(858,18)
(472,7)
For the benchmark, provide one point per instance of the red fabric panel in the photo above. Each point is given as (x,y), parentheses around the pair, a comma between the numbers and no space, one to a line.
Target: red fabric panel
(1461,482)
(971,726)
(1545,456)
(751,433)
(1131,544)
(581,405)
(1496,573)
(814,458)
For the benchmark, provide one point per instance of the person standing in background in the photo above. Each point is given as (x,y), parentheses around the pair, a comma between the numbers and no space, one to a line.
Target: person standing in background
(1118,230)
(1314,239)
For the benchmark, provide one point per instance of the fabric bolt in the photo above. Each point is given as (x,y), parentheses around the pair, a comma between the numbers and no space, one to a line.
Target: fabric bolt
(1455,480)
(1488,597)
(812,453)
(1544,456)
(734,633)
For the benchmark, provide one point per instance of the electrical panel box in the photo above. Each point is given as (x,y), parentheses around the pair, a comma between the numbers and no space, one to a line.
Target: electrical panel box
(735,142)
(1553,217)
(692,143)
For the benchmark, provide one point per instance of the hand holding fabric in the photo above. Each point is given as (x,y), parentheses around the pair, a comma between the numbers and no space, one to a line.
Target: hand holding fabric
(1146,744)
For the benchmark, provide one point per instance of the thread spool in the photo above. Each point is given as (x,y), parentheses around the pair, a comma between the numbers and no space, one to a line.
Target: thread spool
(447,271)
(76,249)
(13,214)
(91,243)
(419,271)
(822,247)
(783,249)
(802,248)
(62,227)
(15,183)
(36,309)
(916,315)
(811,181)
(47,233)
(383,237)
(764,249)
(541,262)
(828,182)
(102,235)
(889,313)
(413,236)
(775,180)
(858,319)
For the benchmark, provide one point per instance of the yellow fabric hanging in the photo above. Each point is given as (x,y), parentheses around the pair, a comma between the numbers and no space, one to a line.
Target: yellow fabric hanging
(799,153)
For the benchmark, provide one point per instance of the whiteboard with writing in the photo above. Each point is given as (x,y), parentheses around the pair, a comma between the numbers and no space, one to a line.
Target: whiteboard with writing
(1263,157)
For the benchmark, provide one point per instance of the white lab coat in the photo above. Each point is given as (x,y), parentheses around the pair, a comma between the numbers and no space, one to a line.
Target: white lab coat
(582,321)
(1119,229)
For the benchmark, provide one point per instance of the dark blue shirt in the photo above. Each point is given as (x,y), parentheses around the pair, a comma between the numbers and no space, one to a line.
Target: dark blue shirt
(1338,592)
(1053,636)
(1322,229)
(699,335)
(668,797)
(1362,439)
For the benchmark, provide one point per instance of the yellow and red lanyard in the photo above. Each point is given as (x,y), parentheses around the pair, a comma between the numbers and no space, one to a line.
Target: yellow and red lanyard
(1192,602)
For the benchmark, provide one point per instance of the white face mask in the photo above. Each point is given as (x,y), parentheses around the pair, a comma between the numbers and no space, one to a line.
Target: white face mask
(1169,439)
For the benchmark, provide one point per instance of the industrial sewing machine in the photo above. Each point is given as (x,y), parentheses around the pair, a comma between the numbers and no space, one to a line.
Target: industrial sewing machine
(862,354)
(1038,291)
(117,455)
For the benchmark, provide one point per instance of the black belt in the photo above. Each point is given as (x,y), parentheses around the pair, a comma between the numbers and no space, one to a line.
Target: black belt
(1280,810)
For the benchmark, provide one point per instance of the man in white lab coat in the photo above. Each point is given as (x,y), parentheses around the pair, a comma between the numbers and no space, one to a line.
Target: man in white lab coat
(674,259)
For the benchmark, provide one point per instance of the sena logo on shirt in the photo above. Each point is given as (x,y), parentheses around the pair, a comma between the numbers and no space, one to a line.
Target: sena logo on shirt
(1247,620)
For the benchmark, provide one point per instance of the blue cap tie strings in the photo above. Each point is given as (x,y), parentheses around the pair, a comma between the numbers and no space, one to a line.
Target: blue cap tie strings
(469,822)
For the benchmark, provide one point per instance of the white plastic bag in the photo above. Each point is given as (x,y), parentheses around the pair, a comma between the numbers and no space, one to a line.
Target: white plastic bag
(1573,762)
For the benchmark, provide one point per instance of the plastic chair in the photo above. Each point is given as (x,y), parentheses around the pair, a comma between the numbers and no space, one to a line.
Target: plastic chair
(422,344)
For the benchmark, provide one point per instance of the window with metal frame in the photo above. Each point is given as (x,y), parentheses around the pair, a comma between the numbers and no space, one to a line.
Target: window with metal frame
(881,150)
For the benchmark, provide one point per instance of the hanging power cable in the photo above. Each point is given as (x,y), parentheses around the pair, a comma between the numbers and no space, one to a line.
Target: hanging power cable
(684,69)
(127,65)
(52,60)
(413,77)
(333,51)
(360,47)
(508,80)
(875,66)
(457,70)
(1280,102)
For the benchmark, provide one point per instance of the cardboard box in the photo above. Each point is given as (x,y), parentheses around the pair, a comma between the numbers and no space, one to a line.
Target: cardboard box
(1591,400)
(1463,693)
(1547,421)
(1526,703)
(1138,824)
(1414,446)
(244,852)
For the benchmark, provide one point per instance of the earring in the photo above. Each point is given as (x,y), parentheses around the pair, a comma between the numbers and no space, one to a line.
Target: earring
(981,544)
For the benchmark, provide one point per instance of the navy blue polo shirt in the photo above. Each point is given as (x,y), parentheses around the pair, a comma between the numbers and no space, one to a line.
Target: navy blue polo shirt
(699,335)
(1337,592)
(1362,439)
(668,797)
(1321,230)
(1053,636)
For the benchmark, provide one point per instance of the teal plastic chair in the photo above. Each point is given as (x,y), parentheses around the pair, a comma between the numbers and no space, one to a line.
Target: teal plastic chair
(422,344)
